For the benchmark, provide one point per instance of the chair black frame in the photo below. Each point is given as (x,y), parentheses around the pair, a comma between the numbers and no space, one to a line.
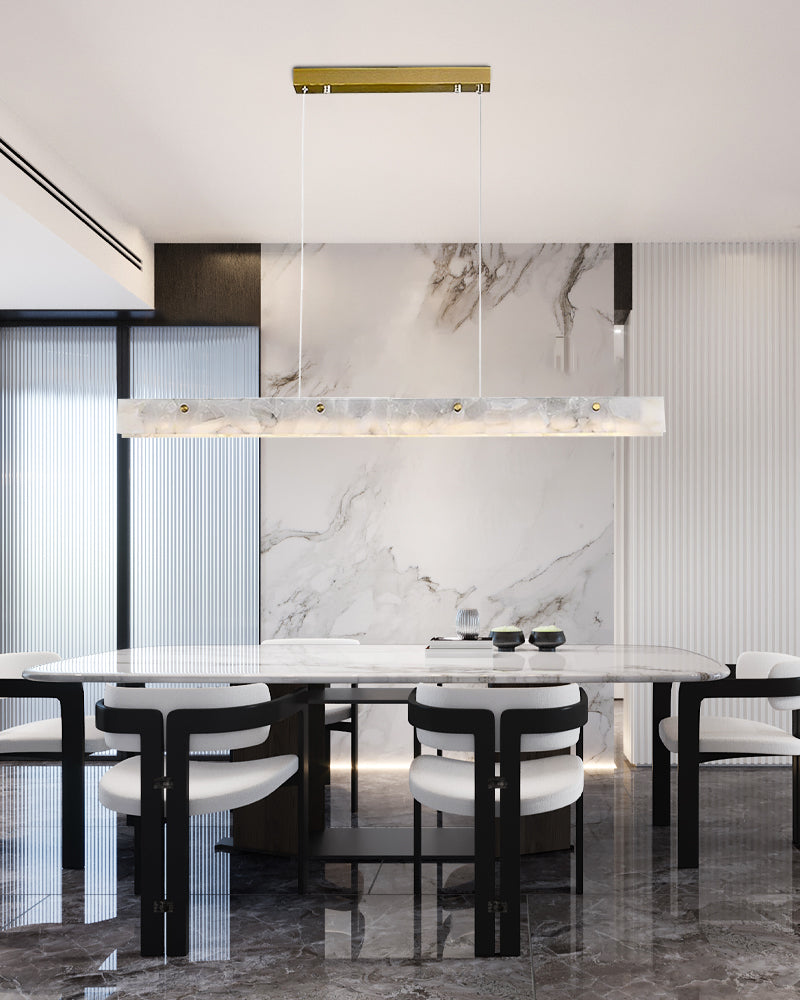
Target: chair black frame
(345,726)
(181,724)
(690,700)
(70,698)
(480,724)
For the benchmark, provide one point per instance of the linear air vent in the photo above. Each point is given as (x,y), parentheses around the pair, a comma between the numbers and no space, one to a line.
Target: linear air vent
(64,199)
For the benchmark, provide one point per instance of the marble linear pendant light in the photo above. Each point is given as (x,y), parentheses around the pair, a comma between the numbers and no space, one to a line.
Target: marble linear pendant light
(315,417)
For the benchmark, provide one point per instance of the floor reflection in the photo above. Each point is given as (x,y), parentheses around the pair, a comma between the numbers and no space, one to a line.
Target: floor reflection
(641,929)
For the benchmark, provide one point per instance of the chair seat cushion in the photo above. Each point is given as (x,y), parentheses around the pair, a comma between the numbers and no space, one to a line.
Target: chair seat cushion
(213,786)
(449,785)
(336,713)
(723,734)
(44,736)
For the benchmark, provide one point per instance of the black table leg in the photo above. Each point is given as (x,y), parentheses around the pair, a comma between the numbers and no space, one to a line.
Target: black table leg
(690,699)
(72,787)
(662,694)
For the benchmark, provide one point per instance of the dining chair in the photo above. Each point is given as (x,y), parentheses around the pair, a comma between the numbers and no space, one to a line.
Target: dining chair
(487,721)
(698,739)
(65,738)
(338,718)
(162,787)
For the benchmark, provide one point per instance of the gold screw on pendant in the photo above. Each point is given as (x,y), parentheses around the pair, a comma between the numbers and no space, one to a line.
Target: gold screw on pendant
(595,407)
(184,408)
(457,407)
(320,407)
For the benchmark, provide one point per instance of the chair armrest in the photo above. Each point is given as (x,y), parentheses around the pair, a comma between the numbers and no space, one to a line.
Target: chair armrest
(477,722)
(517,722)
(147,723)
(69,695)
(185,722)
(692,694)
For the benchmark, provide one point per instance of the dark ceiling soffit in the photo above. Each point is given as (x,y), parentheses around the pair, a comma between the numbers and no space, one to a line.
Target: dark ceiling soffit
(69,204)
(623,282)
(77,317)
(207,284)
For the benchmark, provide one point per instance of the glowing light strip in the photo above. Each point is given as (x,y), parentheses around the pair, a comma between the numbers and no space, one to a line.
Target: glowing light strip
(349,416)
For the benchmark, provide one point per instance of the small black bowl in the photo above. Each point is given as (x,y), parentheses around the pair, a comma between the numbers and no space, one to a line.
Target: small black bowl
(547,639)
(508,639)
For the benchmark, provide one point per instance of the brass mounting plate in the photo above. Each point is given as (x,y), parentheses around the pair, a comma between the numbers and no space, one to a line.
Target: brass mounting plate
(390,79)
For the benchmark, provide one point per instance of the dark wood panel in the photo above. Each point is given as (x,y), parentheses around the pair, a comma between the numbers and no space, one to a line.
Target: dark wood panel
(213,283)
(623,281)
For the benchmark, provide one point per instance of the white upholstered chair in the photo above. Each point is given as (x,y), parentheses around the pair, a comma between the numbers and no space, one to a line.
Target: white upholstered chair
(338,718)
(508,721)
(66,738)
(162,726)
(697,739)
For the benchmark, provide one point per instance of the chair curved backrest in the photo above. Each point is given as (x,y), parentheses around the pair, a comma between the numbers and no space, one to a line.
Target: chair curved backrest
(167,700)
(498,700)
(332,641)
(12,664)
(756,665)
(787,667)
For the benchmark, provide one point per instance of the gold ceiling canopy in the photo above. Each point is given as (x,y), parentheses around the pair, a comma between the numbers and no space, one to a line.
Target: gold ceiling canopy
(390,79)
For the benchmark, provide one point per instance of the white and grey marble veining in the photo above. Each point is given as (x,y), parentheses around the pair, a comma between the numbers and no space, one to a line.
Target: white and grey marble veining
(383,540)
(298,663)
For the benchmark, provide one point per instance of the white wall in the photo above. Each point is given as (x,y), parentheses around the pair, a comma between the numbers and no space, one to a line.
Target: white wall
(709,553)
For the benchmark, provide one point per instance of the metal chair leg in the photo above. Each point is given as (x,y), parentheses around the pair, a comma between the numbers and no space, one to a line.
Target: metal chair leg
(417,848)
(151,881)
(178,862)
(579,846)
(302,803)
(796,784)
(353,759)
(135,823)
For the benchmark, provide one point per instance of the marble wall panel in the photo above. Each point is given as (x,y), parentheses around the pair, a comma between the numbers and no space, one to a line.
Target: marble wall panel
(383,540)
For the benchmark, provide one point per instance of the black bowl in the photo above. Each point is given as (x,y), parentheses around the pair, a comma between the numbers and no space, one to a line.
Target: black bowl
(547,640)
(507,641)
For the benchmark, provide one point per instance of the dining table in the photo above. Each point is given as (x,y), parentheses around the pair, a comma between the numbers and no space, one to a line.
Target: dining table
(359,674)
(328,673)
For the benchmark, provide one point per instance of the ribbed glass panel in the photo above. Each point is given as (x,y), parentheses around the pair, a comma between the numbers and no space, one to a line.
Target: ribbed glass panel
(57,495)
(100,901)
(30,862)
(710,558)
(194,506)
(210,911)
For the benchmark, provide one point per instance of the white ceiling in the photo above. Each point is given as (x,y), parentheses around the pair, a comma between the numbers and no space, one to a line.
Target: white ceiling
(620,120)
(38,270)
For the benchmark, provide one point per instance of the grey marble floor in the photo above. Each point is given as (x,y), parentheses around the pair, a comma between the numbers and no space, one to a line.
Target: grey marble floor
(641,930)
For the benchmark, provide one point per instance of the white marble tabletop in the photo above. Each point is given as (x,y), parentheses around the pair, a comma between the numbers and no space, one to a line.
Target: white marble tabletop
(385,664)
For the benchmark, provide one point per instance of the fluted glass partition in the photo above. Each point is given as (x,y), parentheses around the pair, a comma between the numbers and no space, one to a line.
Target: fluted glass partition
(194,504)
(58,400)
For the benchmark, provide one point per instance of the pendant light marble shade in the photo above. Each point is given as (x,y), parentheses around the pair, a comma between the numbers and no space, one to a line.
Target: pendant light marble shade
(345,416)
